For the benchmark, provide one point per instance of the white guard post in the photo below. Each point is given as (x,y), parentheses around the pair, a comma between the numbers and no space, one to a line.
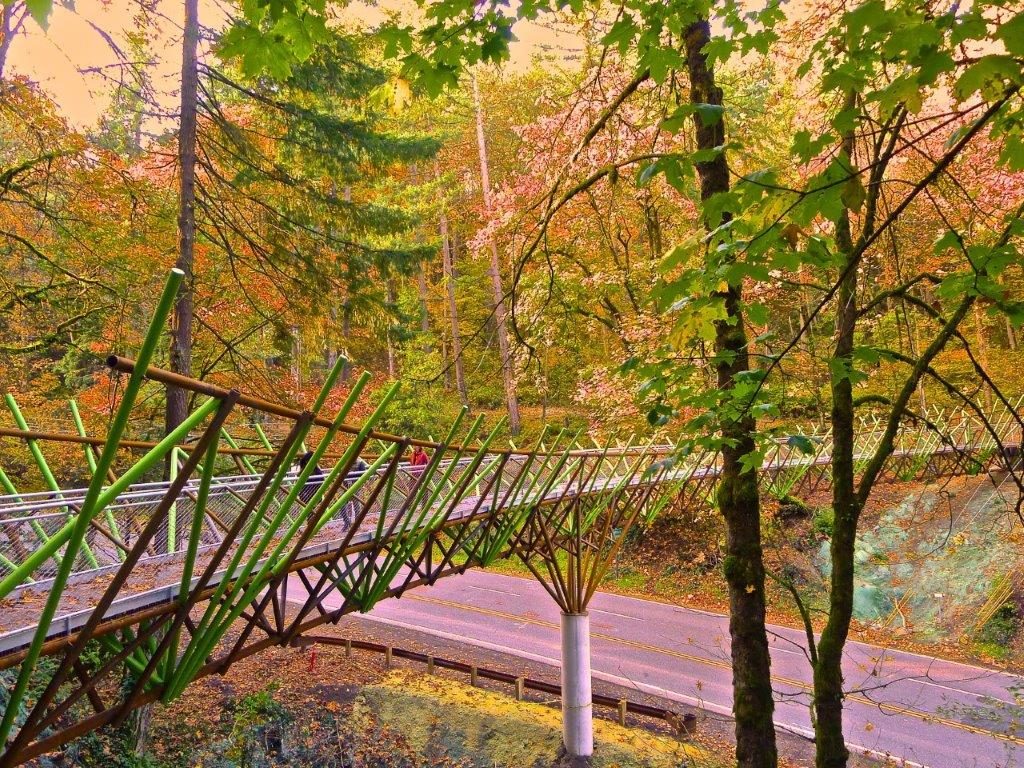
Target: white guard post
(577,703)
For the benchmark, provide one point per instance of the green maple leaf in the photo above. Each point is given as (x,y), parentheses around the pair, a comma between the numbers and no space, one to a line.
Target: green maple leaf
(1012,34)
(40,10)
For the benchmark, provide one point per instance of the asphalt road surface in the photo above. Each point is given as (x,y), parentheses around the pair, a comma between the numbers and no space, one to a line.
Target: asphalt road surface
(922,710)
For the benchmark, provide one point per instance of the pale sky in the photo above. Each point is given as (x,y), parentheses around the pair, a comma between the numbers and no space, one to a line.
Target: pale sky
(76,65)
(59,58)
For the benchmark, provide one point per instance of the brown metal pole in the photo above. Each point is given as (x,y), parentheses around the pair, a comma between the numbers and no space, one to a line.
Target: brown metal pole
(125,365)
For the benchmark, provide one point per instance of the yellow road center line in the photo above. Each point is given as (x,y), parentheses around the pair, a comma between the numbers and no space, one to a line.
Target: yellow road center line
(893,709)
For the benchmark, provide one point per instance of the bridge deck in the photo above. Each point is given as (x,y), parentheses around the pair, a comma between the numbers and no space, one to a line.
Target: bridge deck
(156,580)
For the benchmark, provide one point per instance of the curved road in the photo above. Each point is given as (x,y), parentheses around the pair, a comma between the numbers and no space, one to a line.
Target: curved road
(926,711)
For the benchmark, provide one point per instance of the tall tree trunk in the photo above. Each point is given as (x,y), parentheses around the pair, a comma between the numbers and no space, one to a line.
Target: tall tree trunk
(9,27)
(346,332)
(738,497)
(141,719)
(445,365)
(421,286)
(849,494)
(507,372)
(181,331)
(830,747)
(448,263)
(421,277)
(346,312)
(330,347)
(331,352)
(181,319)
(392,302)
(296,356)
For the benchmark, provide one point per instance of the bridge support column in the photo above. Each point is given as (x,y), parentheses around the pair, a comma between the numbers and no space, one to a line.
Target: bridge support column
(577,703)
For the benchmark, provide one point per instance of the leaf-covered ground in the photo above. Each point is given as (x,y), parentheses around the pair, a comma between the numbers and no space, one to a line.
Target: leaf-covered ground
(317,707)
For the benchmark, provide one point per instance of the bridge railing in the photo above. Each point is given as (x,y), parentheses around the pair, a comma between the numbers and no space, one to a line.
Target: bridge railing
(29,520)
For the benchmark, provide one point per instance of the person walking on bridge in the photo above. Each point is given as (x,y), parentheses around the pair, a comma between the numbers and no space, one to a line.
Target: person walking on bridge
(419,457)
(316,478)
(352,506)
(414,469)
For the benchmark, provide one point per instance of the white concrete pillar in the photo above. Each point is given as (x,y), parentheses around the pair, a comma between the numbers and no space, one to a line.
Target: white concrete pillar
(577,704)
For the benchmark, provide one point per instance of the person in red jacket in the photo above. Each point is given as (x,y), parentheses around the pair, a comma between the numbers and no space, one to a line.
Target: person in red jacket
(419,457)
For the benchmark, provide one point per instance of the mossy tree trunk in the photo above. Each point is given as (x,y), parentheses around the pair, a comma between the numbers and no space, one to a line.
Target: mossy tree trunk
(738,496)
(828,672)
(181,322)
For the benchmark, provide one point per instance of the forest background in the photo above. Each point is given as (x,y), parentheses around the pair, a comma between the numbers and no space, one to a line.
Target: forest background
(341,210)
(701,220)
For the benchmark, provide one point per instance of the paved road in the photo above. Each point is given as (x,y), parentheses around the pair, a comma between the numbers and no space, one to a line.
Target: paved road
(926,711)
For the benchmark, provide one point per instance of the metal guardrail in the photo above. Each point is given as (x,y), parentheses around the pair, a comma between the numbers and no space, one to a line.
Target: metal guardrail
(684,724)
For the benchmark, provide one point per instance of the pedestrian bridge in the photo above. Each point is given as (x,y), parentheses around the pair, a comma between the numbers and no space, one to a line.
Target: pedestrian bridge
(124,591)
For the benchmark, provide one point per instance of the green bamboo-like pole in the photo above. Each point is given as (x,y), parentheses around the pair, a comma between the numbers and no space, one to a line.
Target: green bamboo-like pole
(422,488)
(204,639)
(261,511)
(381,521)
(79,524)
(262,436)
(349,493)
(172,512)
(526,499)
(44,469)
(179,678)
(9,487)
(192,548)
(516,513)
(90,457)
(206,634)
(411,537)
(7,563)
(155,455)
(385,504)
(76,417)
(273,562)
(196,528)
(526,472)
(556,473)
(33,446)
(347,457)
(609,494)
(66,533)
